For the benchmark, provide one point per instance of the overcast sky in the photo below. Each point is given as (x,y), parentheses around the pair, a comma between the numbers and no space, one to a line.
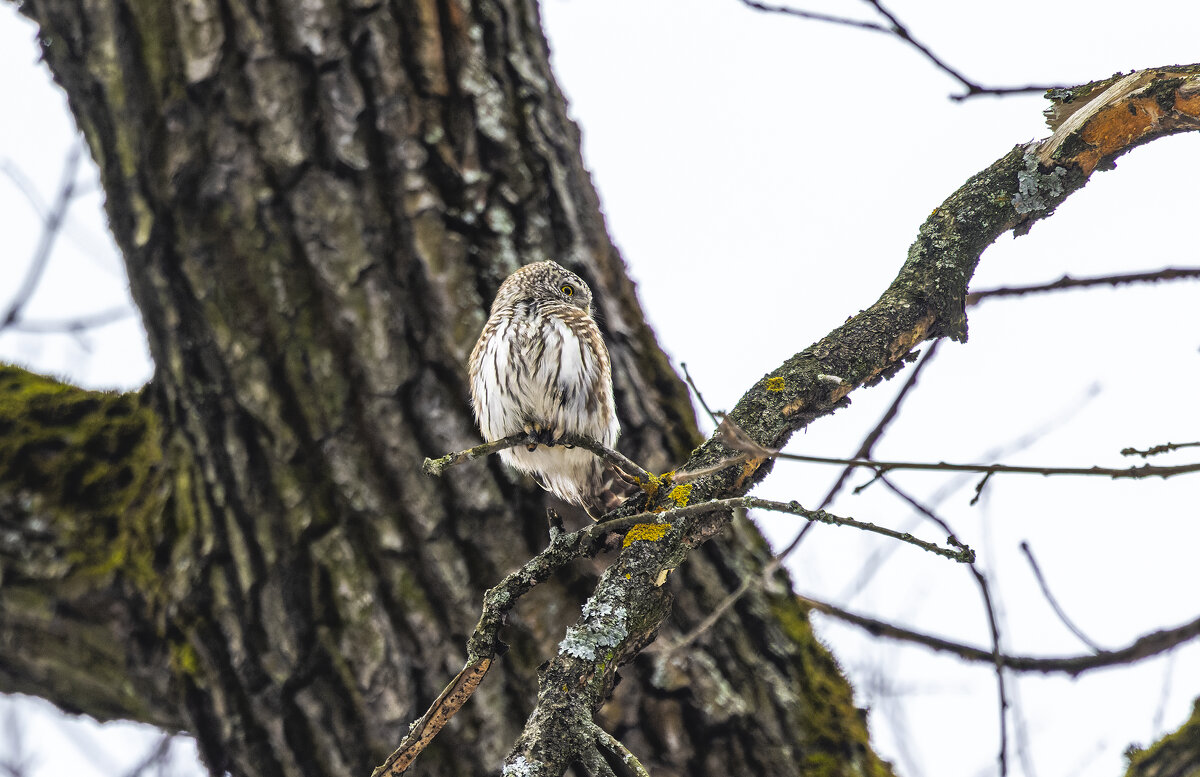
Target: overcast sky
(764,177)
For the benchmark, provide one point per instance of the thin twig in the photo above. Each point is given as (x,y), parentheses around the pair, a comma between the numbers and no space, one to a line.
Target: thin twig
(73,325)
(618,748)
(973,88)
(1146,646)
(439,465)
(901,32)
(484,641)
(734,437)
(50,229)
(844,21)
(1067,282)
(989,607)
(1157,449)
(613,457)
(873,436)
(718,612)
(875,563)
(687,376)
(1144,471)
(864,450)
(960,553)
(425,728)
(159,755)
(1062,615)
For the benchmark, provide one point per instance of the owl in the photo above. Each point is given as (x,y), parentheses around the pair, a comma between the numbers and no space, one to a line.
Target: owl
(540,367)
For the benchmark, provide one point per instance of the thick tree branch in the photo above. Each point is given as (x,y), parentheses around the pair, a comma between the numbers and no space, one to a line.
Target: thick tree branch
(81,498)
(926,300)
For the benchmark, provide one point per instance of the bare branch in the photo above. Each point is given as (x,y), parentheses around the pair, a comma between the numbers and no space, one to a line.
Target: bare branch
(961,553)
(1157,449)
(1144,647)
(1135,473)
(484,642)
(612,457)
(993,621)
(844,21)
(1062,615)
(898,30)
(877,431)
(51,228)
(73,325)
(425,728)
(733,437)
(687,376)
(1067,282)
(437,466)
(159,756)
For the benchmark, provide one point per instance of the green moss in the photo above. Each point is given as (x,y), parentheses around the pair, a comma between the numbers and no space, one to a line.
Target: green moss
(91,462)
(836,729)
(1170,754)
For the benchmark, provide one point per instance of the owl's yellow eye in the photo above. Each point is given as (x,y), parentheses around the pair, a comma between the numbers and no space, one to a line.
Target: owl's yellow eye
(567,289)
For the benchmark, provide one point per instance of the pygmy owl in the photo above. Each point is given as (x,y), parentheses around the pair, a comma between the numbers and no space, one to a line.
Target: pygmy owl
(540,367)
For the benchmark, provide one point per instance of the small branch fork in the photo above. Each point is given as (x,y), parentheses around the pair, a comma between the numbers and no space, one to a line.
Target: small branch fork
(798,391)
(483,644)
(898,30)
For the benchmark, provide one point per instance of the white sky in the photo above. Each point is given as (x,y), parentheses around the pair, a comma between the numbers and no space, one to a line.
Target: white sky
(775,171)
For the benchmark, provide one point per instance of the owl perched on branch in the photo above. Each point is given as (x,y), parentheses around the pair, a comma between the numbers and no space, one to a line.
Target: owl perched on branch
(540,367)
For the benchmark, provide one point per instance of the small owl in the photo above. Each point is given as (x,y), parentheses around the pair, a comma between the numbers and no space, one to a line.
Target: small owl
(540,367)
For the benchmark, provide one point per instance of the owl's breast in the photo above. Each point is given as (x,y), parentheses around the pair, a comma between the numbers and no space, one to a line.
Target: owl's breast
(537,368)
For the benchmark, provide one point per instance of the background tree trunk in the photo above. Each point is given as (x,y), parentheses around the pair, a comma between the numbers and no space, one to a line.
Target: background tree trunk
(316,202)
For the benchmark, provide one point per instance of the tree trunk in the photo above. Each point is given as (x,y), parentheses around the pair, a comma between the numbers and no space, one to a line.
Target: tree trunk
(316,202)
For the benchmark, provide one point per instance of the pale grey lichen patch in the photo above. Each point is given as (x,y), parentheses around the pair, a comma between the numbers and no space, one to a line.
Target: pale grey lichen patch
(201,36)
(604,625)
(342,102)
(521,767)
(281,136)
(474,79)
(499,220)
(1034,187)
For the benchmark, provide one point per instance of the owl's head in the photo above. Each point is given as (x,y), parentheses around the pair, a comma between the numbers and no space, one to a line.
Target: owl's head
(544,282)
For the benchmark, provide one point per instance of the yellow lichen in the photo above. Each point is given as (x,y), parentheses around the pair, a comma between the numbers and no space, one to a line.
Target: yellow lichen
(680,494)
(656,482)
(183,658)
(651,532)
(775,384)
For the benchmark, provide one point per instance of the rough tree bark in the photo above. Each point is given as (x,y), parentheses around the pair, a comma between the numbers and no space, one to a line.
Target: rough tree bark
(316,202)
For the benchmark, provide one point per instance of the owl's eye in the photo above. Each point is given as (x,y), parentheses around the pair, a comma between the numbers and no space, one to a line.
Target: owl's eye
(567,289)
